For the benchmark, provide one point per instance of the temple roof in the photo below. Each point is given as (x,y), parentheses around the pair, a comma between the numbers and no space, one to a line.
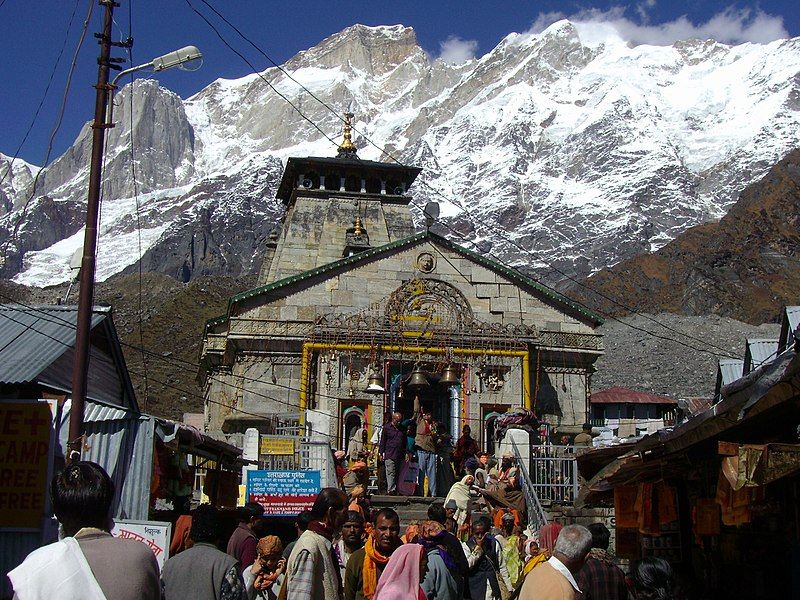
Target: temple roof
(297,166)
(283,286)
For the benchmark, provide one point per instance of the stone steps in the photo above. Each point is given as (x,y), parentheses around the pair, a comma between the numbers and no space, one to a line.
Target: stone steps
(410,508)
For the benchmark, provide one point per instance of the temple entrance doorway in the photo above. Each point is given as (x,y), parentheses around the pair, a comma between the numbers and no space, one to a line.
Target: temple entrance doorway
(489,415)
(439,399)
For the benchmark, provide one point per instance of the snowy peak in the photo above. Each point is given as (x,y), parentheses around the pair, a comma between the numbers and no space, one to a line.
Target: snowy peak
(578,146)
(374,51)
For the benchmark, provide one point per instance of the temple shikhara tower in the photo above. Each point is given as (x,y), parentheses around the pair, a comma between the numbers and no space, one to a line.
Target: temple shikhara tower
(355,313)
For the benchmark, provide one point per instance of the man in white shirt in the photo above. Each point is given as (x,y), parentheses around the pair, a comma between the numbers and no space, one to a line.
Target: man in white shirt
(88,563)
(556,579)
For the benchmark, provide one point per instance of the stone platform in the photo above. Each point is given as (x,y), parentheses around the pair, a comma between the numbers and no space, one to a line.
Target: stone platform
(410,508)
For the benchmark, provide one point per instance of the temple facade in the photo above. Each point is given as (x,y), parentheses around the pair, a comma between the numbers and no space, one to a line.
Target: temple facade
(356,313)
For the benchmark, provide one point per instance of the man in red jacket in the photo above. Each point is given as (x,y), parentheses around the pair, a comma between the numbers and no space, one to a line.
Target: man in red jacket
(244,539)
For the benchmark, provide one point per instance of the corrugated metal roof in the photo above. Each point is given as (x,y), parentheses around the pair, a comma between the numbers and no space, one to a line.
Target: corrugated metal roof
(100,412)
(33,337)
(759,351)
(621,395)
(730,370)
(790,323)
(121,441)
(694,406)
(793,316)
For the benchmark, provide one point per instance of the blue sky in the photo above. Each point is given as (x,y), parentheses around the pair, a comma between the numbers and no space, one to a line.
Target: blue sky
(32,35)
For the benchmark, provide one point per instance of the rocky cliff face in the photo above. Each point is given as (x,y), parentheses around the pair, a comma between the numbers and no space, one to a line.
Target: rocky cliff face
(745,266)
(584,152)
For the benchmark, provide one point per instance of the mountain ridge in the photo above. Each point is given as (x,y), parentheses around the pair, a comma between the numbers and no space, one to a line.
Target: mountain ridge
(585,152)
(745,266)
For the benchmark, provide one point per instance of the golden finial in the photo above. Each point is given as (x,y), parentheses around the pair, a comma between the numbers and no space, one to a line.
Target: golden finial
(359,227)
(347,149)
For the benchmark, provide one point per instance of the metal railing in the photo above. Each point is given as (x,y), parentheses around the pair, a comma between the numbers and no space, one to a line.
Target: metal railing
(317,456)
(554,473)
(537,518)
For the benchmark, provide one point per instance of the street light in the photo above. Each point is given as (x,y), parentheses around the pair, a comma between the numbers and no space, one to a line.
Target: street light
(103,105)
(188,58)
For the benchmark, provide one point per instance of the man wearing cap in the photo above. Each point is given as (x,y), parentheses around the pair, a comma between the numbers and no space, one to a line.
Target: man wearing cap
(450,508)
(584,438)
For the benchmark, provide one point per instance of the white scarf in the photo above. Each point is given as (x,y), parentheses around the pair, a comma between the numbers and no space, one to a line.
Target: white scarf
(58,570)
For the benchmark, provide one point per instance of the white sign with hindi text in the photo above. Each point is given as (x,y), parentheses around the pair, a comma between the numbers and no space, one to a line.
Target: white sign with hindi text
(156,534)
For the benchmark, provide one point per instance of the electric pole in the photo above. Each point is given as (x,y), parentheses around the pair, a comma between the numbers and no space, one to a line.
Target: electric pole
(80,368)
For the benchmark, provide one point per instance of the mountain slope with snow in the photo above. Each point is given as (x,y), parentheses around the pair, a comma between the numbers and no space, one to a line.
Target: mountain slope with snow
(581,148)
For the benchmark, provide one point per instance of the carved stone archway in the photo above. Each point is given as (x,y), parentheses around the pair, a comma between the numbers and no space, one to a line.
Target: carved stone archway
(429,303)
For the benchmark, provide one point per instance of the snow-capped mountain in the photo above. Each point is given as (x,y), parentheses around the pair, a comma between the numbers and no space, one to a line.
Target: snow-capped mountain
(578,146)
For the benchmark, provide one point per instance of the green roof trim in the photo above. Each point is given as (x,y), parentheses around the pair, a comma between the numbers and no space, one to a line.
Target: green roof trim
(517,276)
(216,320)
(494,265)
(344,262)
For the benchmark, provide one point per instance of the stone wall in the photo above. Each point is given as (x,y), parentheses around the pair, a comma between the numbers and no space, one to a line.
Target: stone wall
(568,515)
(262,328)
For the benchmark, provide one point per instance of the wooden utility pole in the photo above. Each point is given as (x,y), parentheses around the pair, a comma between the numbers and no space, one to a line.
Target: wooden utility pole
(80,368)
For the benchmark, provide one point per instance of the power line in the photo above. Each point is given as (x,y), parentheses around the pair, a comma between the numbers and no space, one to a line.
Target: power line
(174,360)
(44,94)
(475,222)
(52,318)
(54,131)
(30,326)
(256,72)
(139,311)
(427,185)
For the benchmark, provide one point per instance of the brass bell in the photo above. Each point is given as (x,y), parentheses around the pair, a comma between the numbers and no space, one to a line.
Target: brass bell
(375,384)
(451,375)
(418,379)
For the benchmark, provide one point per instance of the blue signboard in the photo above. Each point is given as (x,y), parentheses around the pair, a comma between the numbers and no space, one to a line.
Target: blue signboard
(283,493)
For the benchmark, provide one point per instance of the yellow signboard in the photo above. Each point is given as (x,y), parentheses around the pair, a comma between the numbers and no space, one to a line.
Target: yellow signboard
(24,449)
(277,446)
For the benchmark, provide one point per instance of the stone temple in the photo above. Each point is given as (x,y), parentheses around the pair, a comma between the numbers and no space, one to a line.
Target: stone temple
(351,295)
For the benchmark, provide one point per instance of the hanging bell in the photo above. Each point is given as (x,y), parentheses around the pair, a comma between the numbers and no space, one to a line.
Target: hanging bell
(418,379)
(451,375)
(375,384)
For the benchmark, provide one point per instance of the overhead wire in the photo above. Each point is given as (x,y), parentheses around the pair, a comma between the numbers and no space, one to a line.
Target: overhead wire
(30,326)
(260,76)
(129,48)
(437,192)
(55,130)
(174,360)
(44,94)
(494,231)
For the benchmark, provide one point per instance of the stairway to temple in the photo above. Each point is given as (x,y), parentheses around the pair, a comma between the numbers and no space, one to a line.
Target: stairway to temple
(410,508)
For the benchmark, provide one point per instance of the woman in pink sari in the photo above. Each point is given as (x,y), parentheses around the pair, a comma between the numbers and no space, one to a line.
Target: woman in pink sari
(403,575)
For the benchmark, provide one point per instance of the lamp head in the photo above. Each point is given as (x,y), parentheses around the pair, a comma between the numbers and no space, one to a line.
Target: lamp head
(188,58)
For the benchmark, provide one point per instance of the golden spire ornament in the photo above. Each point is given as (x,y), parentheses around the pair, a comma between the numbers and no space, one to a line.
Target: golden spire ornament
(347,149)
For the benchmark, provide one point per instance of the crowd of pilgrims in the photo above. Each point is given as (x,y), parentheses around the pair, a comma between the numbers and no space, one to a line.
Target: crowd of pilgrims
(345,550)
